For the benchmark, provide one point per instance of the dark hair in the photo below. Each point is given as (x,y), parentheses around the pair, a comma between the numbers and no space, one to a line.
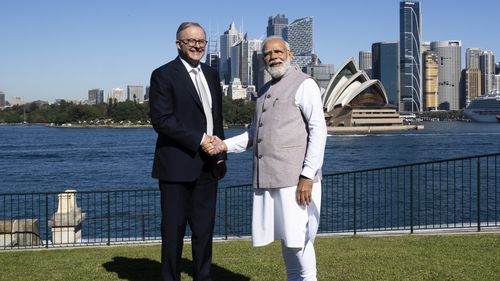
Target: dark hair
(186,25)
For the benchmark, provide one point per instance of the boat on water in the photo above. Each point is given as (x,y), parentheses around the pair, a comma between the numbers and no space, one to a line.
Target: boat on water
(484,108)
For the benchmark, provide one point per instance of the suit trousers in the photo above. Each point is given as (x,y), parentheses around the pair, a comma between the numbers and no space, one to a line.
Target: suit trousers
(182,203)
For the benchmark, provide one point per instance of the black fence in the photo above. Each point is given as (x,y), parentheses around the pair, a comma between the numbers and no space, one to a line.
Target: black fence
(453,193)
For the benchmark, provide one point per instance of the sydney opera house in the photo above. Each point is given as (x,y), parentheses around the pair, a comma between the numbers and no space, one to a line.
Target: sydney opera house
(354,102)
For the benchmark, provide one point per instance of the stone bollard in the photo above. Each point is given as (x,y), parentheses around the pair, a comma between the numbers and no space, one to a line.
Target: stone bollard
(26,232)
(66,223)
(6,239)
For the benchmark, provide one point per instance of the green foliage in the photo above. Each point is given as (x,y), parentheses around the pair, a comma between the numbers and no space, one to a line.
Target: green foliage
(235,112)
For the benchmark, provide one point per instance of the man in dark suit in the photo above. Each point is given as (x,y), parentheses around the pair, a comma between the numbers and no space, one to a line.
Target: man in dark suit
(185,107)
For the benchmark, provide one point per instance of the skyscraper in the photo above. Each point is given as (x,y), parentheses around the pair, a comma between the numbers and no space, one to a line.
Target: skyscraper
(410,38)
(227,40)
(430,80)
(96,96)
(135,93)
(449,71)
(276,24)
(472,57)
(299,35)
(487,66)
(385,68)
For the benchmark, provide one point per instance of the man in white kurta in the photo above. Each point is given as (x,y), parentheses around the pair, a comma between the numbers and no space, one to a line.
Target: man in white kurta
(288,135)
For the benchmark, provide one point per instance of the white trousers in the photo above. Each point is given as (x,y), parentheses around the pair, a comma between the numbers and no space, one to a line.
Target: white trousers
(278,216)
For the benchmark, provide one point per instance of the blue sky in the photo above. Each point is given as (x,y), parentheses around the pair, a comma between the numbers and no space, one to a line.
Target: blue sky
(55,49)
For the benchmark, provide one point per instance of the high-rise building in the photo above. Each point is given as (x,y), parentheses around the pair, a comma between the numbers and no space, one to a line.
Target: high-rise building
(385,68)
(135,93)
(449,72)
(2,99)
(227,40)
(472,84)
(96,96)
(472,57)
(299,35)
(260,74)
(410,38)
(487,66)
(430,80)
(276,25)
(117,95)
(241,60)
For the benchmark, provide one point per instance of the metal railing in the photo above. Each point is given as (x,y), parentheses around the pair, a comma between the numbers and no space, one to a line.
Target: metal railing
(454,193)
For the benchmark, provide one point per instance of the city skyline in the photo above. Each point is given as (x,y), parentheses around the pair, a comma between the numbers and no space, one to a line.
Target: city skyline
(61,50)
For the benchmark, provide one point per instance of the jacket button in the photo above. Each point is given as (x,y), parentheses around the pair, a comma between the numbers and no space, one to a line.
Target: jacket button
(259,140)
(264,110)
(268,96)
(260,124)
(260,156)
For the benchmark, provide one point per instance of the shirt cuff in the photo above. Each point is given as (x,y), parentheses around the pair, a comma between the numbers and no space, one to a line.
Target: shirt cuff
(308,173)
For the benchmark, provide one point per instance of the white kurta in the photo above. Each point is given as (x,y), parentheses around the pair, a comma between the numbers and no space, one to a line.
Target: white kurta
(276,213)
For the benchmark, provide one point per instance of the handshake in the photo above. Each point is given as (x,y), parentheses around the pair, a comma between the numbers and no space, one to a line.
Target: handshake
(213,145)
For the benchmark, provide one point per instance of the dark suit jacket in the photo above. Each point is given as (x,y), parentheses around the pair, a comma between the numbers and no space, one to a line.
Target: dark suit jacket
(177,116)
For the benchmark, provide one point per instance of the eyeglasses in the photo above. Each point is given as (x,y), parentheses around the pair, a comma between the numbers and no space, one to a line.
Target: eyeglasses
(193,42)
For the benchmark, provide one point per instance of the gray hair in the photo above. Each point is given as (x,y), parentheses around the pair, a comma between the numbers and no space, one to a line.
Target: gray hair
(186,25)
(275,37)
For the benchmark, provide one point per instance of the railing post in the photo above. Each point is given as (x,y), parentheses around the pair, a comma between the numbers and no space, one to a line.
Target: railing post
(478,194)
(225,212)
(354,206)
(109,218)
(411,200)
(46,220)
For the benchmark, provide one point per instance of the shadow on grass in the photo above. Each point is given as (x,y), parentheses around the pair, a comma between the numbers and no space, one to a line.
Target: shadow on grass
(146,269)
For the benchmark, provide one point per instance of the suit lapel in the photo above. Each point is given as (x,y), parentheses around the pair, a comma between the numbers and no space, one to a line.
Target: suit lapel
(185,79)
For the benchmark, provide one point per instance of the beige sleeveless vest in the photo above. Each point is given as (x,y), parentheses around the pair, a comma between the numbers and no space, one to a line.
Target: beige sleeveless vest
(280,139)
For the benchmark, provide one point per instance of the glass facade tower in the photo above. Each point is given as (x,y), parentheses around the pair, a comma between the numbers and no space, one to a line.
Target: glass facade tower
(385,68)
(410,38)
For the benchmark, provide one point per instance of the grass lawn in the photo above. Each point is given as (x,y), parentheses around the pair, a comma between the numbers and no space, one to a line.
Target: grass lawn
(417,257)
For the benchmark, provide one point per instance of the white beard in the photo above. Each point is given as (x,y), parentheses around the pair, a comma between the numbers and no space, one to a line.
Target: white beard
(278,71)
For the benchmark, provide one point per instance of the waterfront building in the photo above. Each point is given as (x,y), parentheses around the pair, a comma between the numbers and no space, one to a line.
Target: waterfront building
(146,95)
(472,57)
(276,25)
(487,66)
(386,68)
(299,34)
(497,68)
(430,80)
(354,102)
(2,99)
(449,72)
(135,93)
(227,40)
(95,96)
(496,82)
(410,38)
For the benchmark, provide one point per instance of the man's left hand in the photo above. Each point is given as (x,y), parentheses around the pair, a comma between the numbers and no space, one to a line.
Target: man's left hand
(304,191)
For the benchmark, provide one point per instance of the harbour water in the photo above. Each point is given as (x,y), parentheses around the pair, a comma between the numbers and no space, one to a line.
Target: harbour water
(42,159)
